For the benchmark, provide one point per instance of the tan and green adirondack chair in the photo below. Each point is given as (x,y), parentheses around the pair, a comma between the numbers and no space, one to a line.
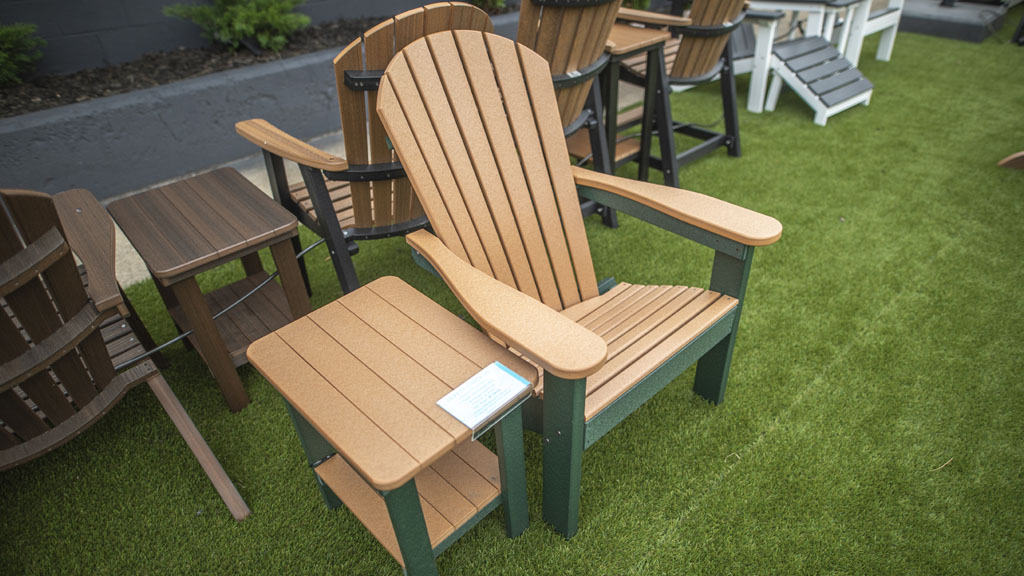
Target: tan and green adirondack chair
(364,195)
(698,54)
(571,35)
(475,122)
(62,343)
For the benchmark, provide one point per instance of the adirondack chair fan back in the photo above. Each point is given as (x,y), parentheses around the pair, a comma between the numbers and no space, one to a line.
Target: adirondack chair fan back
(57,375)
(365,195)
(696,55)
(571,36)
(475,121)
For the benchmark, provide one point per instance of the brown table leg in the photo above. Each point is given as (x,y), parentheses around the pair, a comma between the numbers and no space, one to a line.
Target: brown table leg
(251,264)
(291,278)
(210,343)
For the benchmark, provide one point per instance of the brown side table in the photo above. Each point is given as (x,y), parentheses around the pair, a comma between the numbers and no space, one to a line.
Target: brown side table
(361,377)
(196,224)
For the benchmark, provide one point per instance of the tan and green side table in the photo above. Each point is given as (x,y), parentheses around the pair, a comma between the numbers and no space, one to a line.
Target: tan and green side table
(361,378)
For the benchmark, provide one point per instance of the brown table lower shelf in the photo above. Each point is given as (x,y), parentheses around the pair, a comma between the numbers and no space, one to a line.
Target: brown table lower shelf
(259,315)
(453,490)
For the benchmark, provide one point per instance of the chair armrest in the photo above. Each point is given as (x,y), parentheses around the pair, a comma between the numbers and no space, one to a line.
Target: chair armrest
(276,141)
(765,15)
(90,234)
(656,18)
(711,214)
(558,344)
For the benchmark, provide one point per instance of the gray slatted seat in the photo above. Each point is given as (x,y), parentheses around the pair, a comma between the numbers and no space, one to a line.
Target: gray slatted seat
(820,75)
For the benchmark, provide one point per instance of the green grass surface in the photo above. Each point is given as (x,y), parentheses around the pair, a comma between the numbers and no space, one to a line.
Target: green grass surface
(874,421)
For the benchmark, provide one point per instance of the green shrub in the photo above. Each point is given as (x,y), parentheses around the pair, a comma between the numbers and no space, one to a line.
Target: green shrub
(489,5)
(229,22)
(19,51)
(638,4)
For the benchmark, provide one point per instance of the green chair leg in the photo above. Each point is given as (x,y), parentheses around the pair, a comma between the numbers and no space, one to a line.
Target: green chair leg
(410,530)
(511,462)
(729,275)
(316,449)
(563,451)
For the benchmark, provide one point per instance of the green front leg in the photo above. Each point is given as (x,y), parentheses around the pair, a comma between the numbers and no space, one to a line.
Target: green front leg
(316,449)
(411,530)
(509,436)
(728,276)
(563,451)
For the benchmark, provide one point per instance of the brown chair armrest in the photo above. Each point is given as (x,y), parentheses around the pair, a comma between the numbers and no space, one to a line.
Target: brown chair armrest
(716,216)
(553,341)
(274,140)
(656,18)
(90,234)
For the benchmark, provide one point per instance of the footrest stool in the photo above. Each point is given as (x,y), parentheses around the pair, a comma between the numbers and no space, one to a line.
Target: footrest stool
(820,75)
(361,378)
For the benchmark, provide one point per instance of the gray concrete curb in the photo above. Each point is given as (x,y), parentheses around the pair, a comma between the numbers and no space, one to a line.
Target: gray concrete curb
(126,142)
(132,141)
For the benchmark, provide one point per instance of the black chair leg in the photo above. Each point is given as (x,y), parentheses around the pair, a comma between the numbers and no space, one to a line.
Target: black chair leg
(279,188)
(732,122)
(332,233)
(599,147)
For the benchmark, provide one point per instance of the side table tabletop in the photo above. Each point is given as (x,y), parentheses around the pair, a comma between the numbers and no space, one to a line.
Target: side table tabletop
(197,224)
(361,378)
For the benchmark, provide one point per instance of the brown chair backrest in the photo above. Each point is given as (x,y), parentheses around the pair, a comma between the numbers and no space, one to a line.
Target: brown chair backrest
(699,54)
(386,202)
(54,361)
(571,36)
(474,119)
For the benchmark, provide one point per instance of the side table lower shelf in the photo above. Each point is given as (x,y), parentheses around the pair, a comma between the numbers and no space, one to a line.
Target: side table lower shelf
(259,315)
(455,491)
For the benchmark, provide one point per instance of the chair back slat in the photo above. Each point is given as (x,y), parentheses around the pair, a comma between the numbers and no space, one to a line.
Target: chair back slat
(387,202)
(491,171)
(50,305)
(698,55)
(570,38)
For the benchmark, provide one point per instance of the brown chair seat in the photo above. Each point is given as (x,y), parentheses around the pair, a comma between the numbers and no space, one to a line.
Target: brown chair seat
(643,327)
(341,198)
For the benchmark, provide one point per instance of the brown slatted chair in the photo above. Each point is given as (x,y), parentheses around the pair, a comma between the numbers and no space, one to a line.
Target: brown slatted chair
(475,122)
(364,195)
(697,54)
(571,36)
(61,339)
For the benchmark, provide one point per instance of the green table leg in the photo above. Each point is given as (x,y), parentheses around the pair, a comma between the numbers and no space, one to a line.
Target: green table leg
(411,530)
(316,449)
(563,451)
(509,436)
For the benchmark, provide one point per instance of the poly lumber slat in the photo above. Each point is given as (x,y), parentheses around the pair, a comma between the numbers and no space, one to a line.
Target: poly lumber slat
(379,45)
(90,232)
(844,93)
(443,118)
(396,415)
(368,506)
(393,363)
(448,501)
(469,482)
(821,71)
(826,54)
(526,236)
(470,342)
(588,306)
(798,47)
(621,294)
(584,283)
(353,126)
(634,308)
(380,459)
(835,81)
(641,314)
(430,147)
(656,356)
(494,214)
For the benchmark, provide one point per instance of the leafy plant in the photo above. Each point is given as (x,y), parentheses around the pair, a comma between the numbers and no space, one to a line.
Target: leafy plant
(234,22)
(19,51)
(638,4)
(489,5)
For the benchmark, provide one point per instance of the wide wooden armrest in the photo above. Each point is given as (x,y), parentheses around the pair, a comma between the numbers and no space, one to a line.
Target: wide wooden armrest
(276,141)
(716,216)
(656,18)
(90,234)
(558,344)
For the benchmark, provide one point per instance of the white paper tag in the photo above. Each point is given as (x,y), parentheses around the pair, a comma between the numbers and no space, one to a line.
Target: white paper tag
(478,398)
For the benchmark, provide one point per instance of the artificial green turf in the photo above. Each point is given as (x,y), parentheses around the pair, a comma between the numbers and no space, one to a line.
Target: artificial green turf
(874,420)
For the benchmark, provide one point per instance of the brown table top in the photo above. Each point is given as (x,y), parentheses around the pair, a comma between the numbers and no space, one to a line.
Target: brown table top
(368,369)
(193,224)
(625,38)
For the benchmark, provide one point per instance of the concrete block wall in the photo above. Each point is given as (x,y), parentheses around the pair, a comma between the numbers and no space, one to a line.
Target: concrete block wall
(82,34)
